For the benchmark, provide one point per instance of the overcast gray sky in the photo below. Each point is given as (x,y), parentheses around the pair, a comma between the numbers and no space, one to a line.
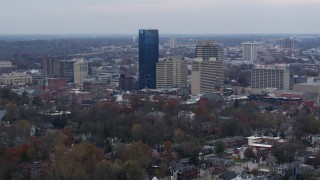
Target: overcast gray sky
(169,16)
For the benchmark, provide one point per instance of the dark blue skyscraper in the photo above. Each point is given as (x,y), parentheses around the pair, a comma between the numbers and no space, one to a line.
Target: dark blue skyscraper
(148,57)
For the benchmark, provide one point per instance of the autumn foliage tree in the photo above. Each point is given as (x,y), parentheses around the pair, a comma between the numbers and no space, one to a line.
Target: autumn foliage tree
(140,152)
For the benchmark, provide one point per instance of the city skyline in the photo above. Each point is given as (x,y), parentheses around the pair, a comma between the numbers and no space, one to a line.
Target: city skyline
(177,16)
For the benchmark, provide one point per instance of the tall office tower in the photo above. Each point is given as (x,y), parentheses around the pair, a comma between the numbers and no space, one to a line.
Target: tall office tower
(47,65)
(249,51)
(173,43)
(272,76)
(288,43)
(80,69)
(207,76)
(208,49)
(90,65)
(66,68)
(172,72)
(148,57)
(56,69)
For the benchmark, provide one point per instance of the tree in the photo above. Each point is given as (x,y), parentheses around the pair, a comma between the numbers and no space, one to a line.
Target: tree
(37,101)
(248,153)
(140,152)
(25,98)
(172,107)
(22,128)
(179,136)
(167,154)
(12,112)
(306,124)
(194,159)
(219,148)
(38,148)
(133,170)
(77,162)
(283,152)
(137,132)
(108,170)
(19,153)
(236,103)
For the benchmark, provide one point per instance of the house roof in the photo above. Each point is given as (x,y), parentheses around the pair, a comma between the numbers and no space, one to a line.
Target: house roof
(212,97)
(228,175)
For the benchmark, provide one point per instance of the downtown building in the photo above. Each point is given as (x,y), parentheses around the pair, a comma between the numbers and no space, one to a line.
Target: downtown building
(148,57)
(173,43)
(62,68)
(207,76)
(207,70)
(271,76)
(15,78)
(127,83)
(288,43)
(172,72)
(250,51)
(67,69)
(52,66)
(81,71)
(6,67)
(207,49)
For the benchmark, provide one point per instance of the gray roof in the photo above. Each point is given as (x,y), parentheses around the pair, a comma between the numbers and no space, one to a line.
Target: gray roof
(213,97)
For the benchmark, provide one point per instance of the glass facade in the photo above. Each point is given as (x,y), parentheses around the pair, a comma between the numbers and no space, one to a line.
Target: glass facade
(148,58)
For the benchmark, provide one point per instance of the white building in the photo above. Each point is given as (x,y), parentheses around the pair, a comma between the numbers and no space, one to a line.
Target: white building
(15,78)
(173,42)
(5,64)
(80,69)
(271,76)
(172,72)
(206,76)
(249,51)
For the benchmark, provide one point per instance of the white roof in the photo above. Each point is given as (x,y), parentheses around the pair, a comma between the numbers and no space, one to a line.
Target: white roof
(261,145)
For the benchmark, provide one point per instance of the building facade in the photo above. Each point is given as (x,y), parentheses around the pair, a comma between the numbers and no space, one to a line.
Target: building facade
(15,78)
(80,69)
(272,76)
(55,84)
(148,57)
(66,69)
(127,83)
(172,72)
(47,65)
(288,43)
(207,49)
(5,64)
(173,43)
(249,51)
(207,76)
(97,89)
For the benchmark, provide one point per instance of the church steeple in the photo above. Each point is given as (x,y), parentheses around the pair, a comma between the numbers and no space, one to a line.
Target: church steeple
(46,84)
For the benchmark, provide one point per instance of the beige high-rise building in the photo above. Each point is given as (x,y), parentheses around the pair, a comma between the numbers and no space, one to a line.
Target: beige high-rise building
(272,76)
(249,51)
(80,69)
(172,72)
(206,76)
(207,49)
